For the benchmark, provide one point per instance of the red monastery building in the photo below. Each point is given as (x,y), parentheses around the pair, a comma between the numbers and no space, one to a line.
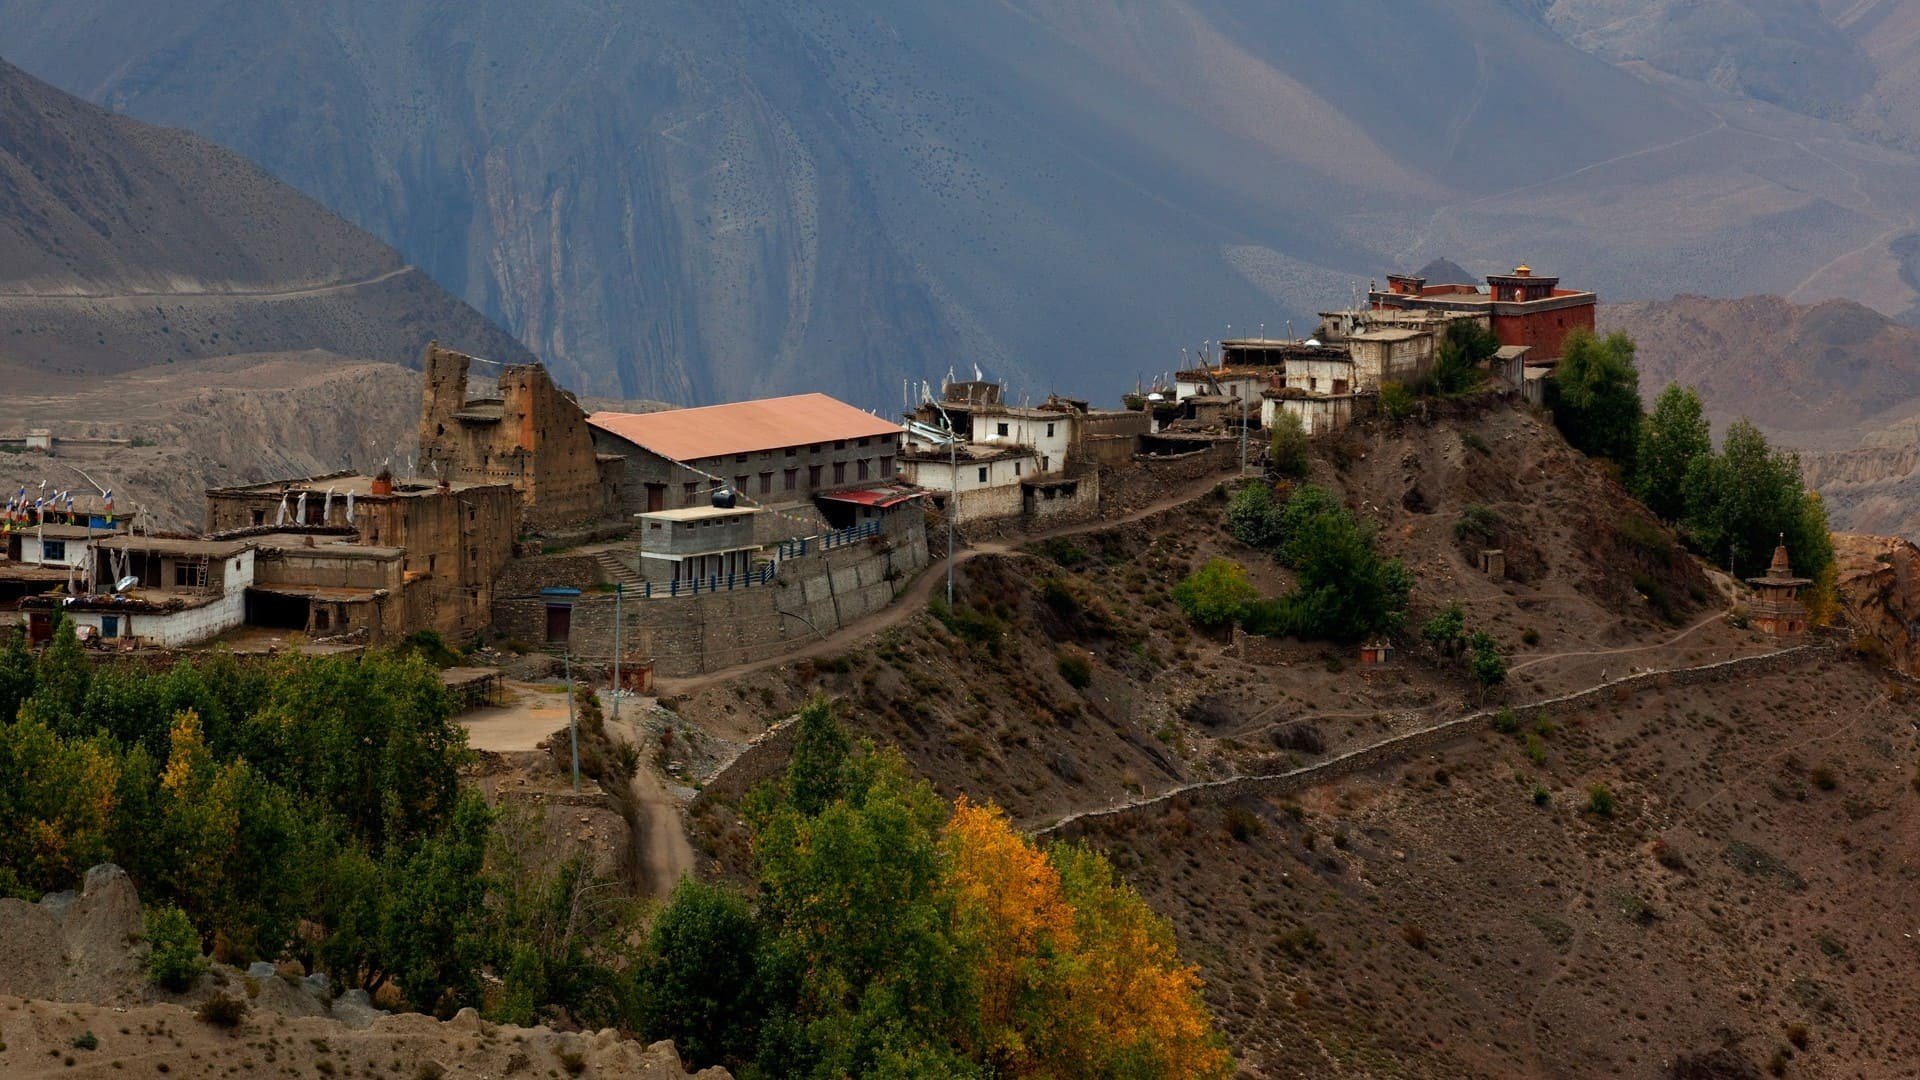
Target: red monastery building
(1522,309)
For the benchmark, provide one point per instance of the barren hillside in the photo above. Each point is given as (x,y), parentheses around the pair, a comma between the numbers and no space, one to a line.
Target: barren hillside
(124,245)
(1446,903)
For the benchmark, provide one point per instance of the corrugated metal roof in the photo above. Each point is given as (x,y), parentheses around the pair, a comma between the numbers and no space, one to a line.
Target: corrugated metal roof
(882,497)
(743,427)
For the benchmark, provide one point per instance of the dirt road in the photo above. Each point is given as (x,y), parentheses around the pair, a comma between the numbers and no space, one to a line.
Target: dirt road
(660,845)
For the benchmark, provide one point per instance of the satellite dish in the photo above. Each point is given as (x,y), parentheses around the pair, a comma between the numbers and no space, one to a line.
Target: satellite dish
(1313,341)
(126,583)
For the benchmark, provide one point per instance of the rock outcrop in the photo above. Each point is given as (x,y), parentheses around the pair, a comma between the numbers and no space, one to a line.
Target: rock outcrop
(1879,584)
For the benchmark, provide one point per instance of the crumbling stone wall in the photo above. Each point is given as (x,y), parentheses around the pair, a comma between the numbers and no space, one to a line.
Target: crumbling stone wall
(533,437)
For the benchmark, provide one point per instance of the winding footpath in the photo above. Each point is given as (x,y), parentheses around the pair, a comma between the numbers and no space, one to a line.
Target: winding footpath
(1383,750)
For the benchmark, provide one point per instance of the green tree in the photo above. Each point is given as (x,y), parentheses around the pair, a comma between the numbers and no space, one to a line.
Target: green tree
(699,977)
(1747,498)
(1484,662)
(1346,590)
(1217,594)
(1672,438)
(1309,502)
(1446,632)
(1595,396)
(1466,345)
(173,949)
(431,925)
(57,803)
(17,676)
(1289,451)
(1253,517)
(60,682)
(817,769)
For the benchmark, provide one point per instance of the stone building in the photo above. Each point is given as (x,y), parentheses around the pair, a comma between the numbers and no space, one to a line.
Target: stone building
(1776,607)
(530,435)
(697,543)
(774,452)
(1521,308)
(182,592)
(454,537)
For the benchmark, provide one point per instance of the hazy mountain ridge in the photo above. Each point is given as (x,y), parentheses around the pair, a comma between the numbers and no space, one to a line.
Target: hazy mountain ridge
(124,245)
(710,200)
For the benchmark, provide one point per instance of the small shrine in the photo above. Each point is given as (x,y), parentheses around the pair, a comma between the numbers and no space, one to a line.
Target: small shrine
(1777,608)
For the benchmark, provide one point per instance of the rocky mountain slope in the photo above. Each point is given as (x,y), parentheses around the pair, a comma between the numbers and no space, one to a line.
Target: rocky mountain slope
(697,201)
(1454,906)
(124,245)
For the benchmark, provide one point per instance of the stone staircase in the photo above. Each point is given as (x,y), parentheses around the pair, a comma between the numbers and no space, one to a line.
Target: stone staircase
(618,571)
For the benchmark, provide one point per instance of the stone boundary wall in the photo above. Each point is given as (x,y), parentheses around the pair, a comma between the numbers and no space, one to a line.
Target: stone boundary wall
(811,597)
(522,577)
(1144,480)
(1364,758)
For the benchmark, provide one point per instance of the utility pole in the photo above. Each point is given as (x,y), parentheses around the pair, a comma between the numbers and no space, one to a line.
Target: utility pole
(618,591)
(953,492)
(573,725)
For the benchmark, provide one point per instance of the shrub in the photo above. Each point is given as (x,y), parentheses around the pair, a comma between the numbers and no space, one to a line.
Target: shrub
(1217,594)
(1506,722)
(86,1041)
(222,1010)
(1076,669)
(173,949)
(1600,801)
(1254,517)
(1478,524)
(1413,935)
(1288,451)
(1243,824)
(1825,778)
(1530,637)
(1446,632)
(1396,401)
(1541,796)
(1484,661)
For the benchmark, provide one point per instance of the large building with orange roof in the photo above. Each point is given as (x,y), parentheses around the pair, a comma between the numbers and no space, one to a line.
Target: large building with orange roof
(775,452)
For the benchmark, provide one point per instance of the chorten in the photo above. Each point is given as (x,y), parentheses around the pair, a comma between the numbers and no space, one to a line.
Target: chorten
(1776,608)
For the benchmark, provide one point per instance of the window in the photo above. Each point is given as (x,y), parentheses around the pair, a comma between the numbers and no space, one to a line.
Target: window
(814,449)
(813,476)
(653,526)
(739,457)
(863,468)
(766,483)
(839,472)
(840,444)
(1049,431)
(792,450)
(431,561)
(473,554)
(1000,430)
(788,479)
(322,620)
(693,492)
(53,550)
(1016,468)
(740,484)
(109,626)
(983,474)
(862,442)
(259,517)
(886,467)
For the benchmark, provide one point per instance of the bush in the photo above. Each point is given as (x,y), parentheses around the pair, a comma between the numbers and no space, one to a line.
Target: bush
(1076,669)
(222,1010)
(1478,525)
(173,949)
(1600,801)
(86,1041)
(1218,594)
(1289,452)
(1446,633)
(1484,661)
(1396,401)
(1254,517)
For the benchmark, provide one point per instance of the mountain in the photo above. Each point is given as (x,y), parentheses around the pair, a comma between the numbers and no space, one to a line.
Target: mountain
(1814,375)
(124,245)
(694,201)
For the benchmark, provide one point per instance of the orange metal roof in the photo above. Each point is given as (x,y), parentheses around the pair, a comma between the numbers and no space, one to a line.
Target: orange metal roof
(743,427)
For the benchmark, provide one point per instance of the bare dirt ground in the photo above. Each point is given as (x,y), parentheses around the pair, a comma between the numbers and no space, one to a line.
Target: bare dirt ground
(530,713)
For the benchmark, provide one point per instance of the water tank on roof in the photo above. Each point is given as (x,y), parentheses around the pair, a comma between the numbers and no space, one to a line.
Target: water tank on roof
(723,497)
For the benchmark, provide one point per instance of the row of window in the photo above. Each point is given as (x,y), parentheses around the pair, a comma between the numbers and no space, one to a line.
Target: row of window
(839,444)
(864,469)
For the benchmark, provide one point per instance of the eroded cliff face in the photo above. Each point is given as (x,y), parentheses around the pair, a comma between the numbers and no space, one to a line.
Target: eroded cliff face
(1879,584)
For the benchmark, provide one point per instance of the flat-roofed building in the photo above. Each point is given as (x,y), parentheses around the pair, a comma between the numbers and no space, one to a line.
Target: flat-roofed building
(1522,308)
(180,592)
(456,537)
(697,543)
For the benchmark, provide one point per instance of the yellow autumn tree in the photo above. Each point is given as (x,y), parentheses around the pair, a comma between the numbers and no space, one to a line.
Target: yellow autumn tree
(199,822)
(1013,920)
(1075,976)
(56,809)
